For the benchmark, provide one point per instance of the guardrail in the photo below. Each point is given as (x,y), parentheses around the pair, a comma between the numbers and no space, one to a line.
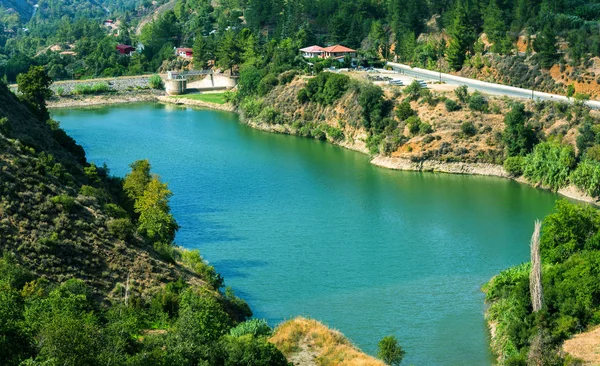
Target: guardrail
(486,87)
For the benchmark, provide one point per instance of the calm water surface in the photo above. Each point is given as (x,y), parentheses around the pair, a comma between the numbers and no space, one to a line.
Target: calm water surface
(301,227)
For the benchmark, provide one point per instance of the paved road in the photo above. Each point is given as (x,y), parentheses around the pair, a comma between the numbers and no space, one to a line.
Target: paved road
(484,87)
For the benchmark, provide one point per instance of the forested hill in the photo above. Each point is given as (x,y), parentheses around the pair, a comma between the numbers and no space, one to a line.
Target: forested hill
(89,272)
(439,34)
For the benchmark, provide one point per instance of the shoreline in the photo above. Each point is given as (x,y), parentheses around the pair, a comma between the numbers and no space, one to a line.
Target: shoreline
(394,163)
(102,99)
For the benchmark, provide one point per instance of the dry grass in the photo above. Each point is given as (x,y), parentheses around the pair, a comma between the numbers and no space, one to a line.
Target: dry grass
(585,346)
(309,342)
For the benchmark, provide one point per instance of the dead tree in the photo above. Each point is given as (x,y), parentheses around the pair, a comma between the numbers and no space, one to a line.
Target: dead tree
(535,277)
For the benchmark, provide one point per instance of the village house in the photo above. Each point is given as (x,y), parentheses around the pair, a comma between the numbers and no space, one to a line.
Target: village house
(184,52)
(125,49)
(108,23)
(312,51)
(338,52)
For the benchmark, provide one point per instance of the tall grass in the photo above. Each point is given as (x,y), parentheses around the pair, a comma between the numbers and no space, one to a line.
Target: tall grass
(85,89)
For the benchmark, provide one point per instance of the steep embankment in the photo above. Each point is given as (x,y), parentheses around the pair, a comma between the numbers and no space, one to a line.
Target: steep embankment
(425,131)
(56,216)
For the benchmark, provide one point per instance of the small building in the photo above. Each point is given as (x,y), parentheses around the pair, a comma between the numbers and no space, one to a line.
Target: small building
(184,52)
(338,52)
(108,23)
(125,49)
(312,52)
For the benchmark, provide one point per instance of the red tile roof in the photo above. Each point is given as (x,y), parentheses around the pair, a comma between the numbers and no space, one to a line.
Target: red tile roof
(338,49)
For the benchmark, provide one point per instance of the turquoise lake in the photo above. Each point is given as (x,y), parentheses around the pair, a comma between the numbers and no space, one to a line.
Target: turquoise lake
(302,227)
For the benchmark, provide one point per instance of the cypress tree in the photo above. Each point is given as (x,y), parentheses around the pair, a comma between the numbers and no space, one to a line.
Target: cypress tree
(545,46)
(461,37)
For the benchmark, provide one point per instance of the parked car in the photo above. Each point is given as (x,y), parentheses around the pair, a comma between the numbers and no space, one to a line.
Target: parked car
(396,82)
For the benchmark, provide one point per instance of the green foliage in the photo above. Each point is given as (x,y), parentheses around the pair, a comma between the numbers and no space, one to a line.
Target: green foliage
(248,350)
(413,123)
(193,260)
(249,80)
(254,327)
(326,88)
(404,110)
(468,129)
(571,228)
(586,137)
(514,165)
(34,89)
(587,177)
(478,103)
(550,164)
(545,45)
(389,351)
(518,137)
(96,88)
(66,202)
(5,127)
(462,36)
(121,228)
(135,182)
(570,90)
(374,107)
(267,84)
(155,82)
(451,105)
(462,93)
(155,221)
(413,90)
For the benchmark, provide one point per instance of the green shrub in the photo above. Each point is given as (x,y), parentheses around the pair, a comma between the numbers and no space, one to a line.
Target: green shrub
(414,124)
(97,88)
(155,82)
(303,96)
(5,127)
(100,194)
(478,103)
(517,136)
(514,165)
(115,211)
(254,327)
(121,228)
(404,111)
(267,84)
(587,177)
(193,260)
(389,351)
(67,202)
(251,107)
(451,105)
(425,128)
(462,93)
(468,129)
(164,250)
(269,115)
(327,87)
(334,133)
(550,164)
(413,90)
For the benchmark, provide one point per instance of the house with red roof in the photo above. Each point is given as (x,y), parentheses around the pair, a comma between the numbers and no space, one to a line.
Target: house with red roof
(312,51)
(125,49)
(338,52)
(184,52)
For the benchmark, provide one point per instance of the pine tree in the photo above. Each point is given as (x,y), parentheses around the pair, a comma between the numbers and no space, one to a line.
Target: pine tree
(461,37)
(545,46)
(493,25)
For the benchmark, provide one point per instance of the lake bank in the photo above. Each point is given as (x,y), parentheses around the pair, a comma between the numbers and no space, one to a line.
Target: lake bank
(395,163)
